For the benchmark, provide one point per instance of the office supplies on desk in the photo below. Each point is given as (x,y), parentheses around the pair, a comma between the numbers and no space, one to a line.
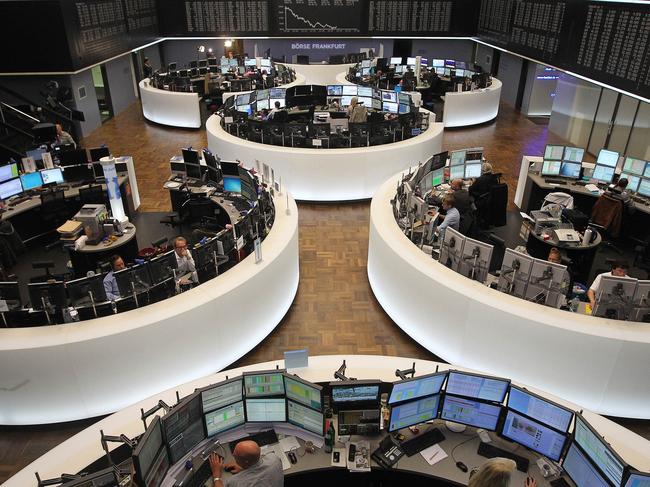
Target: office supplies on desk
(433,454)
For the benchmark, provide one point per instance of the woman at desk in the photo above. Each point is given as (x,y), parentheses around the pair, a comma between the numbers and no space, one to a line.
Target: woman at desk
(496,473)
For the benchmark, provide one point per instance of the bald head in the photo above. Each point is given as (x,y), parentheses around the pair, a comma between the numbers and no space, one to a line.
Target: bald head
(247,453)
(457,184)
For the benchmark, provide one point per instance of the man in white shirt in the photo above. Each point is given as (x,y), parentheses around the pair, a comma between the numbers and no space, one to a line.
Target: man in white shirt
(184,263)
(250,470)
(619,269)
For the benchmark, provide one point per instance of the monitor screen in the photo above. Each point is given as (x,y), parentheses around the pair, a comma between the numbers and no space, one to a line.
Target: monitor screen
(450,63)
(437,177)
(365,91)
(250,62)
(334,90)
(248,109)
(460,73)
(366,101)
(607,158)
(416,388)
(263,104)
(368,392)
(638,479)
(396,60)
(8,171)
(225,69)
(400,69)
(158,470)
(410,61)
(598,451)
(265,62)
(570,170)
(98,152)
(440,71)
(365,71)
(304,392)
(225,418)
(473,413)
(147,449)
(264,384)
(350,90)
(573,154)
(540,409)
(266,410)
(644,187)
(580,469)
(232,62)
(52,176)
(404,108)
(554,152)
(456,172)
(414,412)
(551,168)
(424,61)
(190,156)
(632,181)
(346,100)
(305,417)
(10,188)
(36,154)
(31,180)
(438,63)
(477,386)
(457,157)
(232,184)
(243,99)
(219,395)
(391,107)
(646,173)
(533,435)
(634,166)
(365,63)
(183,427)
(472,171)
(193,171)
(603,173)
(390,96)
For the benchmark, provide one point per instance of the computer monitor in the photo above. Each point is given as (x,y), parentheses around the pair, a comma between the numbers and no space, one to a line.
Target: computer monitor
(475,260)
(477,386)
(262,104)
(515,272)
(183,427)
(265,63)
(350,90)
(573,154)
(457,158)
(451,250)
(225,69)
(355,392)
(73,157)
(472,171)
(303,392)
(603,173)
(450,63)
(10,294)
(265,383)
(218,395)
(470,412)
(8,171)
(579,469)
(80,290)
(413,412)
(598,451)
(404,108)
(424,62)
(615,296)
(390,107)
(193,171)
(365,71)
(417,387)
(190,156)
(410,61)
(644,187)
(162,267)
(47,295)
(52,176)
(607,158)
(145,455)
(540,409)
(84,172)
(334,90)
(98,152)
(365,100)
(224,418)
(437,177)
(10,188)
(36,154)
(132,279)
(548,283)
(232,184)
(31,180)
(389,96)
(570,170)
(438,63)
(632,182)
(456,172)
(646,173)
(533,435)
(638,479)
(306,418)
(396,60)
(554,152)
(230,168)
(551,168)
(268,410)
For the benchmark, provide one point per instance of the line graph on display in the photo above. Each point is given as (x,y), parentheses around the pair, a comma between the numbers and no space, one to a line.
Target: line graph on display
(324,16)
(312,25)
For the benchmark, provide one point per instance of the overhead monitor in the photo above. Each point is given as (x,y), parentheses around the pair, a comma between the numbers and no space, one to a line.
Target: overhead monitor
(644,187)
(477,386)
(579,469)
(350,90)
(212,61)
(438,63)
(265,383)
(183,427)
(474,156)
(417,387)
(570,170)
(424,62)
(190,156)
(268,410)
(52,176)
(396,60)
(389,96)
(145,454)
(632,181)
(540,409)
(221,394)
(598,451)
(390,107)
(334,90)
(551,168)
(250,62)
(603,173)
(305,418)
(355,392)
(450,63)
(303,392)
(225,418)
(607,158)
(410,61)
(404,98)
(365,91)
(573,154)
(232,184)
(98,152)
(472,171)
(634,166)
(8,171)
(10,188)
(638,479)
(365,101)
(533,435)
(31,180)
(554,152)
(438,161)
(265,62)
(470,412)
(457,157)
(414,412)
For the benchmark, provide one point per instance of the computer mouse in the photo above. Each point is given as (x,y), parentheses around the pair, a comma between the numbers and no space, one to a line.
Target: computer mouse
(461,466)
(292,457)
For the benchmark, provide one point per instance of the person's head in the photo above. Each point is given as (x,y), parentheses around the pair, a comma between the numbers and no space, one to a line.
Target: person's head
(486,168)
(354,101)
(117,263)
(59,129)
(277,104)
(448,202)
(247,453)
(456,184)
(622,183)
(619,268)
(146,60)
(554,256)
(493,473)
(180,246)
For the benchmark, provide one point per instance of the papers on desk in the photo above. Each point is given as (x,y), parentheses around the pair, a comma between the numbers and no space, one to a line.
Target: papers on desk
(289,443)
(433,454)
(361,462)
(592,188)
(276,449)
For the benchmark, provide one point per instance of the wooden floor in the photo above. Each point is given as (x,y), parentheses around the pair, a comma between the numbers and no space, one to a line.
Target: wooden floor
(334,311)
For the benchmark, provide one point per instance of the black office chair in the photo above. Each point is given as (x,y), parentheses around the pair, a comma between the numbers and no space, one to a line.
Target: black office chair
(92,195)
(54,211)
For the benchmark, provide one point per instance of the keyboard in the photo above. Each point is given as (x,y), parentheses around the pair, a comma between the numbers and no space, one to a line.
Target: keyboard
(262,438)
(18,201)
(198,478)
(416,444)
(488,450)
(555,181)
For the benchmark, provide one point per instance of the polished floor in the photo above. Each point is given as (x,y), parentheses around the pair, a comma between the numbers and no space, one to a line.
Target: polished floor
(334,311)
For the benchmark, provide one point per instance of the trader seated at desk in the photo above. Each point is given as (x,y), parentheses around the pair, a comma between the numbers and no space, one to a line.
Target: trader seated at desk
(63,137)
(451,218)
(484,183)
(619,192)
(186,270)
(496,472)
(278,114)
(110,283)
(250,470)
(619,269)
(462,198)
(357,113)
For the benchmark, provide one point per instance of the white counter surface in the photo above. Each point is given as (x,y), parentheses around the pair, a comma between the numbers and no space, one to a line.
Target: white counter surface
(173,108)
(472,107)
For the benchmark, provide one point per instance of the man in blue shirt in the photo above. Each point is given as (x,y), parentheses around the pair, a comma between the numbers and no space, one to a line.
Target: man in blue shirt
(110,283)
(452,218)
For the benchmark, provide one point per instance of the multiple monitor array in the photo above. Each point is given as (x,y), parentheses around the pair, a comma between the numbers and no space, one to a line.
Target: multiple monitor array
(566,162)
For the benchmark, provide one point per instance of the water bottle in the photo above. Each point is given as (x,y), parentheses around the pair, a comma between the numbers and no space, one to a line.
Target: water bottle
(329,438)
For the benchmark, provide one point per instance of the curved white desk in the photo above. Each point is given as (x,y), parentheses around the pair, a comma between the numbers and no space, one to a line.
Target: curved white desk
(300,80)
(319,74)
(67,372)
(84,448)
(173,108)
(472,107)
(598,363)
(327,174)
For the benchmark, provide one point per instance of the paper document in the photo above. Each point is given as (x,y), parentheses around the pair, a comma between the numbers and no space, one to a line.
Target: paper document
(289,443)
(433,454)
(361,462)
(592,187)
(276,450)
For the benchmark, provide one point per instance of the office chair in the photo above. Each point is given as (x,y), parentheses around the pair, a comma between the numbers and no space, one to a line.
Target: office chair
(359,134)
(606,218)
(54,211)
(92,195)
(256,131)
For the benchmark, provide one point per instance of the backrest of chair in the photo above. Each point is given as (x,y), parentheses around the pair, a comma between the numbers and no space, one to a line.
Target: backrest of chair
(606,209)
(498,204)
(92,195)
